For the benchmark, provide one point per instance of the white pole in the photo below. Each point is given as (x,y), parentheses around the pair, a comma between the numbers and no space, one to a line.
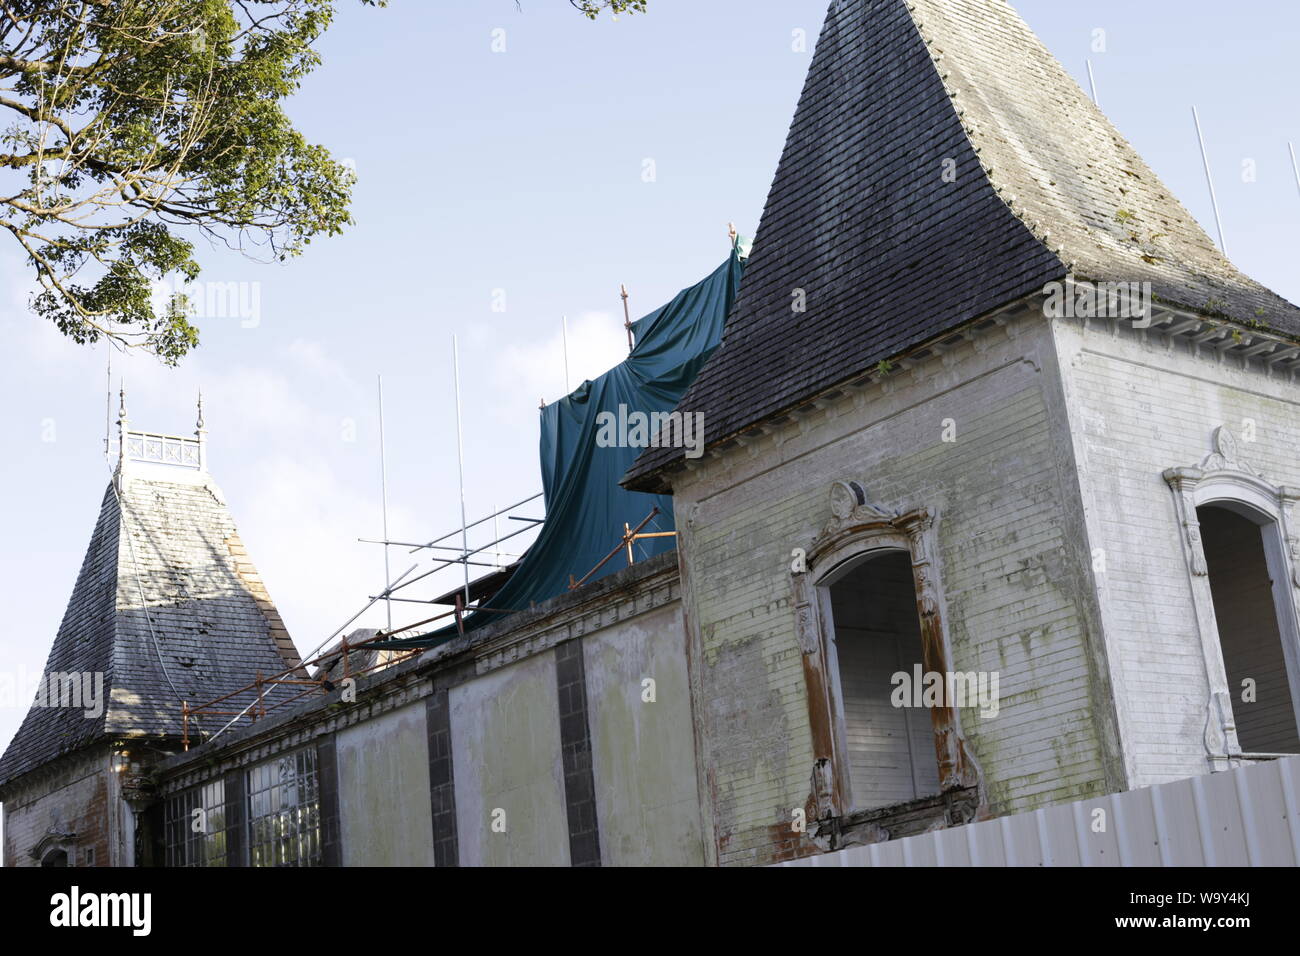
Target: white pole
(1294,165)
(383,488)
(496,533)
(1214,200)
(564,324)
(108,400)
(1092,82)
(460,464)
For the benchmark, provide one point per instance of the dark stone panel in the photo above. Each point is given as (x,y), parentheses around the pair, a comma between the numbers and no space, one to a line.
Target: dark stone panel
(442,784)
(236,819)
(327,777)
(575,753)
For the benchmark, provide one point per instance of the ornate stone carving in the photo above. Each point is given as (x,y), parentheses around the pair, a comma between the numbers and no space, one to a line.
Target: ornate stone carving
(823,788)
(850,509)
(1196,556)
(1225,453)
(1291,529)
(806,628)
(927,602)
(845,497)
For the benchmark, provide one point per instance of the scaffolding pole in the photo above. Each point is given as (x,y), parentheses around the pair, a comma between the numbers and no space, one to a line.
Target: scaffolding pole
(383,487)
(480,521)
(564,328)
(108,396)
(1214,199)
(460,465)
(1294,165)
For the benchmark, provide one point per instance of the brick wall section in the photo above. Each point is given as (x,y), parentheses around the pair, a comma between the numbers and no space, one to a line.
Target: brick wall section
(1006,566)
(442,784)
(575,747)
(75,793)
(327,782)
(1139,407)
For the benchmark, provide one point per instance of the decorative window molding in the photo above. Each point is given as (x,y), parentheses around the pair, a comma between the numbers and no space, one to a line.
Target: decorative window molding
(855,530)
(1223,478)
(53,841)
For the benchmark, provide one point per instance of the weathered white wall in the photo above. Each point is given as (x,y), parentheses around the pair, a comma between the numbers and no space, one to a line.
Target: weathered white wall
(384,811)
(1137,408)
(505,745)
(1011,567)
(643,754)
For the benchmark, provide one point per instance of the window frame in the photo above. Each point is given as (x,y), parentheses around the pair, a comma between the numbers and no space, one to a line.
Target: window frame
(1224,480)
(182,847)
(307,784)
(856,532)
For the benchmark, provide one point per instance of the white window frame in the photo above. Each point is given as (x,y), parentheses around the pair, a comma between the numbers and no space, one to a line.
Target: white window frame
(1223,479)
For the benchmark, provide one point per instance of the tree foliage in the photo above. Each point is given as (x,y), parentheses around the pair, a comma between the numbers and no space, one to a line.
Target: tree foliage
(131,122)
(592,8)
(131,126)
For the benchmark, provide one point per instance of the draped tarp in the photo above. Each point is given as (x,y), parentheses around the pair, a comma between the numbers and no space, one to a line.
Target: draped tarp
(586,508)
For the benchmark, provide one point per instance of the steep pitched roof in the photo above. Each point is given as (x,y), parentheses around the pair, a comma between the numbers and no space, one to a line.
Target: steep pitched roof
(888,252)
(167,607)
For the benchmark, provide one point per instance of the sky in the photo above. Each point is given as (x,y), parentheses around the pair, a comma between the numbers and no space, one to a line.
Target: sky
(497,191)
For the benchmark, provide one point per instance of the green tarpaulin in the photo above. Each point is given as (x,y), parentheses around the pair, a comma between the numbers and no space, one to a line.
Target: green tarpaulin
(591,437)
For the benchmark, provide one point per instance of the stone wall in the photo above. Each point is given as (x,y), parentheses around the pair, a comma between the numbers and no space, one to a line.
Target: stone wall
(1011,573)
(1141,403)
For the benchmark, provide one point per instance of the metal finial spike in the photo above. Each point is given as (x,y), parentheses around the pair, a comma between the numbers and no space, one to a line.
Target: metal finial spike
(121,407)
(199,423)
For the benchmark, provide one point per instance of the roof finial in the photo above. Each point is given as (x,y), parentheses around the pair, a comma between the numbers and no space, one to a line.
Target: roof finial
(121,429)
(627,317)
(201,433)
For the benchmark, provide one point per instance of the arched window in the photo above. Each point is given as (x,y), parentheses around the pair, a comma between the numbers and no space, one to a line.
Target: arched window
(1241,557)
(1242,587)
(867,615)
(875,634)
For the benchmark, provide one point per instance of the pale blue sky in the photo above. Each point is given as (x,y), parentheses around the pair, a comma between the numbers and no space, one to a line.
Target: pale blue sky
(522,171)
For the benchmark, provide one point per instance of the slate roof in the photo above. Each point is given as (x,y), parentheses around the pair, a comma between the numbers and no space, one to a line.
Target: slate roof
(182,563)
(889,254)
